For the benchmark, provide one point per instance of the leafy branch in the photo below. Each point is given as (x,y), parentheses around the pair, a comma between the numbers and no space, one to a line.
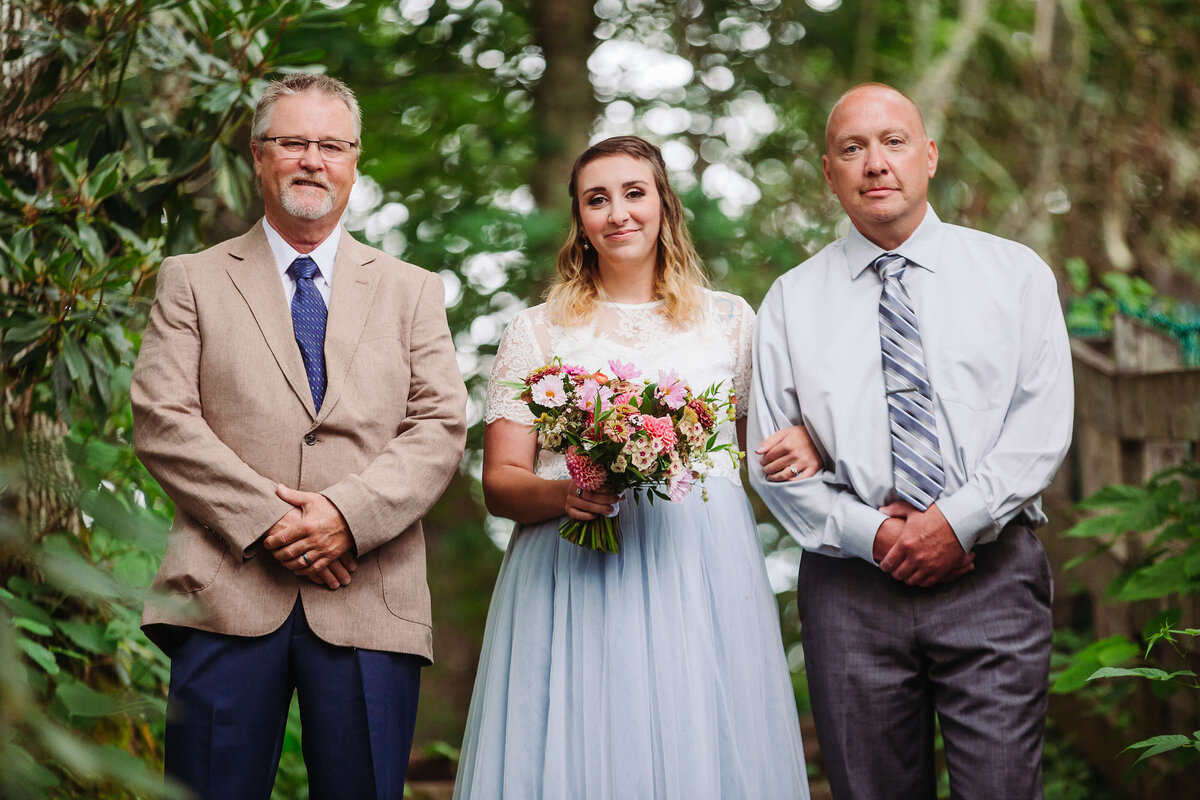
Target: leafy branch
(1187,678)
(1161,523)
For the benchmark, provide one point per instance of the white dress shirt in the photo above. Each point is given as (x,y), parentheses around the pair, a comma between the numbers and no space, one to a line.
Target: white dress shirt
(325,254)
(996,353)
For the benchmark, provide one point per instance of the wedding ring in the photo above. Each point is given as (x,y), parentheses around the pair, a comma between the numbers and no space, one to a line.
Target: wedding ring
(305,559)
(795,471)
(579,491)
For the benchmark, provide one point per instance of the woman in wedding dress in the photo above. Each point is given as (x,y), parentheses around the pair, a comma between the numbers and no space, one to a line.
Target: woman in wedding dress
(658,671)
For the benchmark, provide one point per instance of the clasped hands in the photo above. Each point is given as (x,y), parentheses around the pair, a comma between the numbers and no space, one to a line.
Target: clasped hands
(312,540)
(919,547)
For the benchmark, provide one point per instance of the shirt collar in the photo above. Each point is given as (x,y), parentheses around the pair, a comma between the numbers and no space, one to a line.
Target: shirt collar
(325,254)
(921,248)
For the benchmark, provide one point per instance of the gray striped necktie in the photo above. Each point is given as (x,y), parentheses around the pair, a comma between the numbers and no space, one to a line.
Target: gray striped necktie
(916,459)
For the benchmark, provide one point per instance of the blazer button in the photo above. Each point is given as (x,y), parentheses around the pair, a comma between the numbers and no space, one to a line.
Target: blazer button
(310,437)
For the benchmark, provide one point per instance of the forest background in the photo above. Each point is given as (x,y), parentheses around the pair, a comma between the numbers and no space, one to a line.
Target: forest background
(1068,125)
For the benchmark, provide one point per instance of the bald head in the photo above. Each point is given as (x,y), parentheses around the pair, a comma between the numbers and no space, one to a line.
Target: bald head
(878,91)
(878,161)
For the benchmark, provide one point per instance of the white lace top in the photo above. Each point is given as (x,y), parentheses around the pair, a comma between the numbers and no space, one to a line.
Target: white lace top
(714,350)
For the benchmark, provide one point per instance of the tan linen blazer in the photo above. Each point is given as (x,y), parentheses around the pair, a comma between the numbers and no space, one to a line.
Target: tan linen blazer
(223,412)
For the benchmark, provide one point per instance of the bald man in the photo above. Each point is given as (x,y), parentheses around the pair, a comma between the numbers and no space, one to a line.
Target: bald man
(930,365)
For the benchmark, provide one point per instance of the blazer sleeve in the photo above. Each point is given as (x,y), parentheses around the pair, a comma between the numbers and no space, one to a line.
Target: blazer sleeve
(204,477)
(402,483)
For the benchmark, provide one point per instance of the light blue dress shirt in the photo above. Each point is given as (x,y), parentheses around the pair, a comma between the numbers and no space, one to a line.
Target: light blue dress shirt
(997,355)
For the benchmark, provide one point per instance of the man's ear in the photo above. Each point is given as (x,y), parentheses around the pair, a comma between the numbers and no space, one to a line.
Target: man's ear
(825,170)
(933,157)
(256,154)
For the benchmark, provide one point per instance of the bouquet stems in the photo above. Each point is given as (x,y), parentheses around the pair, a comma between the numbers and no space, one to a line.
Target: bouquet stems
(601,533)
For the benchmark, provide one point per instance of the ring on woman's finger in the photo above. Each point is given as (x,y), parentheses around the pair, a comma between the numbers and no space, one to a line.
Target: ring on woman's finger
(304,557)
(795,471)
(579,491)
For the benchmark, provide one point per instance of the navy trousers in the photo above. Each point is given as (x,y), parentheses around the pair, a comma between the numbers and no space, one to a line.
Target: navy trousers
(228,704)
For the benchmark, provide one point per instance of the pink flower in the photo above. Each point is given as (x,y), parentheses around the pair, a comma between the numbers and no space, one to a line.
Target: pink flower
(679,486)
(671,390)
(585,473)
(661,430)
(586,394)
(625,372)
(617,430)
(549,392)
(592,396)
(573,370)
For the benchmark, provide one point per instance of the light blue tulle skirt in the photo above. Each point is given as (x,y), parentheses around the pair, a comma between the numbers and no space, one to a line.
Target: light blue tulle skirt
(654,673)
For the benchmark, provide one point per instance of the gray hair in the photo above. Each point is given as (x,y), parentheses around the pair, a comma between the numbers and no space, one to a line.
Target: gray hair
(299,84)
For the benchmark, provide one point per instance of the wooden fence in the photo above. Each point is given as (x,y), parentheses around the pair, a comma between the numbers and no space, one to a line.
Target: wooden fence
(1137,412)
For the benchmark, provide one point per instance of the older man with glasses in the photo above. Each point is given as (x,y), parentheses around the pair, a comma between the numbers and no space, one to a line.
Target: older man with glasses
(297,396)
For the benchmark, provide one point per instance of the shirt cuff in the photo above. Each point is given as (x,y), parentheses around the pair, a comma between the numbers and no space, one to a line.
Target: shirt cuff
(967,514)
(860,523)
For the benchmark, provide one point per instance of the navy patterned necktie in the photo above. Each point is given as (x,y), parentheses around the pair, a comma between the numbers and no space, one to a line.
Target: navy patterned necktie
(308,320)
(916,459)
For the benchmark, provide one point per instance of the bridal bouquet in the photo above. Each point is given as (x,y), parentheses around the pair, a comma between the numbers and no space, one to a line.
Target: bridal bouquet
(624,433)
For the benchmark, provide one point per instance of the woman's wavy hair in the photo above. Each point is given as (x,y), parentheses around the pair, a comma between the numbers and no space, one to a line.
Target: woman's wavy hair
(679,274)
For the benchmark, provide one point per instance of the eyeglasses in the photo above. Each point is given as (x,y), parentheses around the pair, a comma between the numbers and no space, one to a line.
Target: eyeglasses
(330,149)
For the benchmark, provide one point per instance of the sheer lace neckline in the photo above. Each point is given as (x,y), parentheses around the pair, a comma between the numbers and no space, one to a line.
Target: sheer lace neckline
(631,306)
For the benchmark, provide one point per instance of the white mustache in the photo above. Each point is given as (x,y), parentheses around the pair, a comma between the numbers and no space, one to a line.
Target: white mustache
(308,178)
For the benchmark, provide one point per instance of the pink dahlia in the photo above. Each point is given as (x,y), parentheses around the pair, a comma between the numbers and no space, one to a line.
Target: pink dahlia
(586,473)
(661,429)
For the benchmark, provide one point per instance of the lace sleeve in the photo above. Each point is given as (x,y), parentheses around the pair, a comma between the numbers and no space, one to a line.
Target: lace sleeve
(744,365)
(517,357)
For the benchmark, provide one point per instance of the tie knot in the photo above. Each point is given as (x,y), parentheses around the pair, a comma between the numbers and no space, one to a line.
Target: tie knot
(889,265)
(303,268)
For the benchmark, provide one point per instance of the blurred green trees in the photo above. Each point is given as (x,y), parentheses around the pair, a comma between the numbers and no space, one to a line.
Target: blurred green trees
(1070,126)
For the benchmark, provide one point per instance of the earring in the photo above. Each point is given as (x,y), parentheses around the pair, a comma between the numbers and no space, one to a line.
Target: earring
(586,245)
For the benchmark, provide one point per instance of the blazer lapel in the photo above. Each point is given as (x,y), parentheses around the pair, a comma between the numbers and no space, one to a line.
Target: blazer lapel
(354,284)
(254,274)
